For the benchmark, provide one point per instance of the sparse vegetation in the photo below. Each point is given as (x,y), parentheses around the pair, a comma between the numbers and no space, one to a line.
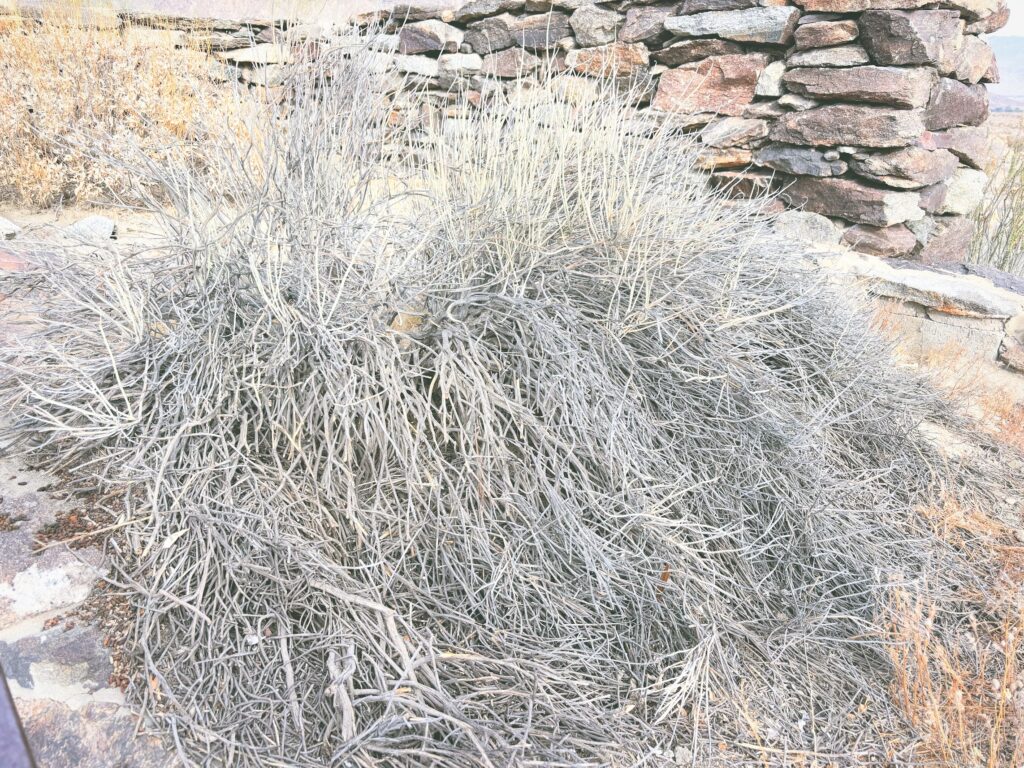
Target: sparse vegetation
(999,221)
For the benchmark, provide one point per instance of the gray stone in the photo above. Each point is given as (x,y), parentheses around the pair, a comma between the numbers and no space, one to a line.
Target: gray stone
(953,103)
(991,23)
(916,37)
(8,229)
(424,66)
(769,82)
(429,35)
(720,84)
(887,242)
(965,190)
(510,63)
(974,61)
(594,25)
(94,227)
(908,168)
(839,124)
(773,25)
(541,32)
(733,132)
(798,161)
(479,9)
(460,64)
(896,86)
(644,23)
(702,6)
(854,6)
(764,110)
(687,51)
(797,103)
(948,241)
(490,35)
(970,144)
(806,227)
(853,201)
(824,34)
(840,56)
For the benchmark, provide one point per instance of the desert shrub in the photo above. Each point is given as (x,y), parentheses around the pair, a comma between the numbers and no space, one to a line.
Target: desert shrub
(999,221)
(523,447)
(70,92)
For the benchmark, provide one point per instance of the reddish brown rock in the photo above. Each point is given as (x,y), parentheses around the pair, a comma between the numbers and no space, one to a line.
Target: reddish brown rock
(916,37)
(720,84)
(908,168)
(949,240)
(510,63)
(853,201)
(970,144)
(541,31)
(712,159)
(490,35)
(429,35)
(991,23)
(974,60)
(733,132)
(617,59)
(850,125)
(686,51)
(953,103)
(897,86)
(644,23)
(887,242)
(823,34)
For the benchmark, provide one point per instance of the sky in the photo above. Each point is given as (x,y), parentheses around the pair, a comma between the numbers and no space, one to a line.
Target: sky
(1015,27)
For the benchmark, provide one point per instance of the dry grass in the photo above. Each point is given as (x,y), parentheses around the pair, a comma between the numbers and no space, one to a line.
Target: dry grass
(70,92)
(999,241)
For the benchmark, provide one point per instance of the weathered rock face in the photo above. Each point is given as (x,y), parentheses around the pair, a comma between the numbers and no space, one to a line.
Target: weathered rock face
(840,56)
(721,84)
(686,51)
(510,63)
(542,31)
(917,37)
(733,132)
(594,25)
(429,35)
(800,161)
(492,34)
(645,23)
(853,201)
(886,242)
(970,144)
(822,34)
(896,86)
(616,59)
(773,25)
(908,168)
(846,124)
(953,103)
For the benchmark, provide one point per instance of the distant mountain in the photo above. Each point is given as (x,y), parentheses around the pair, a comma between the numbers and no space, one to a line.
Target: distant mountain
(1008,93)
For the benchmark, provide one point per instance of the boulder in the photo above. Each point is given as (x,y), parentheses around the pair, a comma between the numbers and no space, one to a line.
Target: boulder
(954,103)
(974,60)
(490,35)
(807,227)
(644,23)
(733,132)
(915,37)
(615,59)
(908,168)
(850,200)
(686,51)
(510,63)
(840,56)
(773,25)
(720,84)
(850,124)
(594,25)
(948,241)
(541,31)
(896,86)
(887,242)
(479,9)
(799,161)
(823,34)
(965,190)
(970,144)
(429,35)
(769,82)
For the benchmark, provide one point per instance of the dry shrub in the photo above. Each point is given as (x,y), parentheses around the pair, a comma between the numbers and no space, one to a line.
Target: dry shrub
(999,221)
(71,93)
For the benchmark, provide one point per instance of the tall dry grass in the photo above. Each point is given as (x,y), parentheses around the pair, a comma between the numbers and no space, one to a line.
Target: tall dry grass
(999,239)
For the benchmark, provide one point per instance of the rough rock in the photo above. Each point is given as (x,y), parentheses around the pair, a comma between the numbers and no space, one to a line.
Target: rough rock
(702,6)
(594,25)
(991,23)
(974,61)
(733,132)
(915,37)
(764,110)
(429,35)
(887,242)
(840,56)
(798,161)
(8,229)
(972,10)
(953,103)
(798,103)
(897,86)
(965,190)
(807,227)
(492,34)
(823,34)
(644,23)
(710,159)
(686,51)
(618,59)
(94,227)
(854,6)
(424,66)
(720,84)
(542,31)
(843,124)
(773,25)
(970,144)
(908,168)
(460,64)
(769,82)
(510,63)
(949,240)
(853,201)
(479,9)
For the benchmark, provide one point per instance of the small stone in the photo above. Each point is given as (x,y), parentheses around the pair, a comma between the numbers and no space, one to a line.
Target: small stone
(807,227)
(974,60)
(853,201)
(769,82)
(798,103)
(764,109)
(460,64)
(916,37)
(541,32)
(686,51)
(965,190)
(644,23)
(887,242)
(908,168)
(823,34)
(712,159)
(799,161)
(896,86)
(490,35)
(772,25)
(429,35)
(838,124)
(479,9)
(510,63)
(424,66)
(720,84)
(8,229)
(616,59)
(733,132)
(94,227)
(970,144)
(840,56)
(594,25)
(953,103)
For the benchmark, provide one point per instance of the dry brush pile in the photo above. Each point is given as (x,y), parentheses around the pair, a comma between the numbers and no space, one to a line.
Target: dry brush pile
(521,448)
